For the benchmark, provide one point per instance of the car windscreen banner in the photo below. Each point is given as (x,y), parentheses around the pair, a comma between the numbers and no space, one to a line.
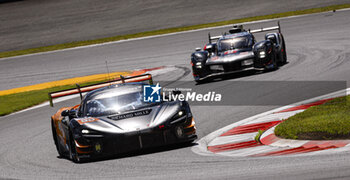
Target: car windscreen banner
(243,93)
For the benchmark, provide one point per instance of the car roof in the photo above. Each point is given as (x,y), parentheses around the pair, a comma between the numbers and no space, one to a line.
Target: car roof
(240,34)
(125,87)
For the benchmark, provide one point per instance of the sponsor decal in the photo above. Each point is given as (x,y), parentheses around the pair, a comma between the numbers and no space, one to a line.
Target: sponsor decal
(86,120)
(215,58)
(98,147)
(130,115)
(230,52)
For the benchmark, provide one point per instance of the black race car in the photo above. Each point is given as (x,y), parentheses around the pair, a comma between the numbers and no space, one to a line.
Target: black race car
(113,118)
(238,51)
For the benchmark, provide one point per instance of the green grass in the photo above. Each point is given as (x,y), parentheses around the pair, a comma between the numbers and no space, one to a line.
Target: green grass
(257,137)
(324,122)
(170,30)
(16,102)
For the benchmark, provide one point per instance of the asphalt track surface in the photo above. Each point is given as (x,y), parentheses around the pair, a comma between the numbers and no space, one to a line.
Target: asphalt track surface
(34,23)
(318,49)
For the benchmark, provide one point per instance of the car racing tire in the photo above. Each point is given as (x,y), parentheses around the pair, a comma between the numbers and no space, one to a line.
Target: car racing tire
(73,155)
(200,74)
(274,63)
(282,60)
(55,139)
(284,56)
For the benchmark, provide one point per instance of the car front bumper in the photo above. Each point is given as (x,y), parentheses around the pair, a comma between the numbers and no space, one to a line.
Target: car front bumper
(91,146)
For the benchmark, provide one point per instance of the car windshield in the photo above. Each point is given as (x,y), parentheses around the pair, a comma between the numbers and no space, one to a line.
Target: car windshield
(234,43)
(109,104)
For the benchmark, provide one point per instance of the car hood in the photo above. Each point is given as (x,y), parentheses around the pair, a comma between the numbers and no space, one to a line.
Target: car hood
(229,57)
(135,120)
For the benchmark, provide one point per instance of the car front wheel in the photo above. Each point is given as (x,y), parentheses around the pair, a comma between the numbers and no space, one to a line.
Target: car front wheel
(55,139)
(74,156)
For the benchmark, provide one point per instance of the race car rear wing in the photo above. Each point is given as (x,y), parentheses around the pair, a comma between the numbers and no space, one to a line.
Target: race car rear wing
(213,38)
(278,27)
(80,90)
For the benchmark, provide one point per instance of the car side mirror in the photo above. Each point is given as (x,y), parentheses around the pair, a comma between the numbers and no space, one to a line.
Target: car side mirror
(70,113)
(73,113)
(209,48)
(65,113)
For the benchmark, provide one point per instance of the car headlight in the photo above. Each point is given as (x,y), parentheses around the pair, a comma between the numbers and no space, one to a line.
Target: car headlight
(89,132)
(199,65)
(179,117)
(85,131)
(262,54)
